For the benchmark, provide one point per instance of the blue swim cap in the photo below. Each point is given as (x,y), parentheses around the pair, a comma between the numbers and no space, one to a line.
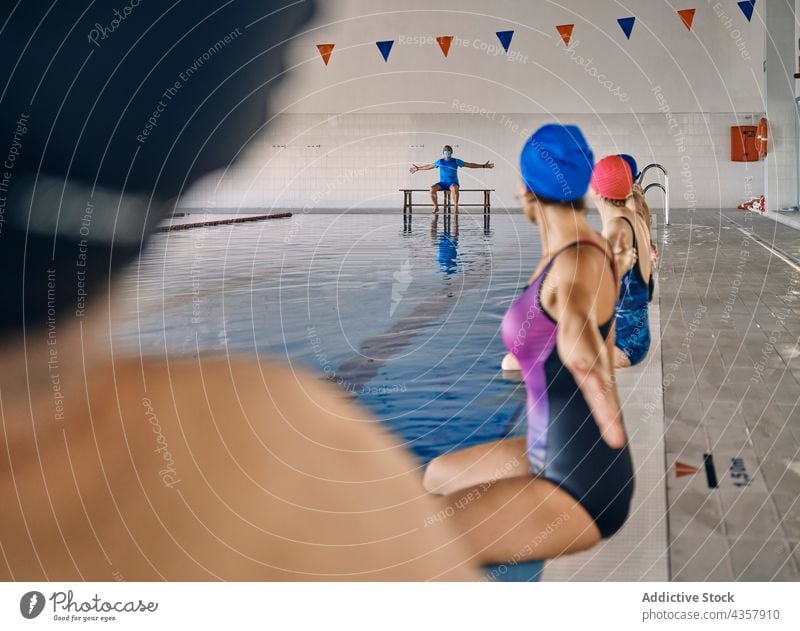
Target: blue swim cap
(631,163)
(556,162)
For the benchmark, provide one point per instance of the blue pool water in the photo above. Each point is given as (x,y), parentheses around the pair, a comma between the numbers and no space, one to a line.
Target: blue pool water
(406,320)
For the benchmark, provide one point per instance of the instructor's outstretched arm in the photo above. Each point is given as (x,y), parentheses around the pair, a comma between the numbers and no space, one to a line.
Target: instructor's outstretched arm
(425,167)
(474,165)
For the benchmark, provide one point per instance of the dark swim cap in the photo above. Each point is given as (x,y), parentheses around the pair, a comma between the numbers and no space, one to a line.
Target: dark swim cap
(631,163)
(556,162)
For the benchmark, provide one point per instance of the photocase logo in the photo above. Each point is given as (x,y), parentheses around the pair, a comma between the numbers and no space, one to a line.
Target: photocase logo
(402,279)
(31,604)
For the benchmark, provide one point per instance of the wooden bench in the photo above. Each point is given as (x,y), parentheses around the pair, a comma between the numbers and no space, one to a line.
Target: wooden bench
(408,202)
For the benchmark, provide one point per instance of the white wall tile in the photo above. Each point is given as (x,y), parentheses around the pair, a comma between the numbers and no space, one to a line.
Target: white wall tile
(366,156)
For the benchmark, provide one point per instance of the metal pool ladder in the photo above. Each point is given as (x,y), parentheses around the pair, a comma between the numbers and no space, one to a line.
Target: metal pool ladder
(664,187)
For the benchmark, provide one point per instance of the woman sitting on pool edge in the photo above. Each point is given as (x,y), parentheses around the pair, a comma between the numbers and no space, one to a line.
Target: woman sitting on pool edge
(574,468)
(611,191)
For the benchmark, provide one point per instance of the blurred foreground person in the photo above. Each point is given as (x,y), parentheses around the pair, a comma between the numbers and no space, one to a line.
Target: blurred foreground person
(611,191)
(138,469)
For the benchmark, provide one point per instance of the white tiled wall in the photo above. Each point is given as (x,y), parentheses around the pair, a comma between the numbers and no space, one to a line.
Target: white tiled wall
(360,160)
(781,165)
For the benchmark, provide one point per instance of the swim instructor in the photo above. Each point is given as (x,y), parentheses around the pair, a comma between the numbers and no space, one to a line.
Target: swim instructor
(448,175)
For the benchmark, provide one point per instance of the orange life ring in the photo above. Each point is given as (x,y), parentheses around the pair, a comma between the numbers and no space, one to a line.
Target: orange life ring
(762,134)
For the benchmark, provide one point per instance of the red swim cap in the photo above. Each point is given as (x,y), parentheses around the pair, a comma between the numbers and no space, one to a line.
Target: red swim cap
(612,178)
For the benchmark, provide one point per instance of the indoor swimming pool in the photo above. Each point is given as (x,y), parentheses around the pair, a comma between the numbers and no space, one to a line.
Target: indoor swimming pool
(406,320)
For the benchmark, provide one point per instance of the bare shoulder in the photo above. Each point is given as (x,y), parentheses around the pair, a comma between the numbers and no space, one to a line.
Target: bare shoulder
(581,276)
(583,264)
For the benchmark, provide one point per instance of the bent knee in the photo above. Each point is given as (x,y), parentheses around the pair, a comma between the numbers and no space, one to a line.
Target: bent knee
(437,475)
(510,362)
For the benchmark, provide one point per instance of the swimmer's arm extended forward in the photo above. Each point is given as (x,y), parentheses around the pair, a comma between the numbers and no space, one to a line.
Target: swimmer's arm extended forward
(581,347)
(425,167)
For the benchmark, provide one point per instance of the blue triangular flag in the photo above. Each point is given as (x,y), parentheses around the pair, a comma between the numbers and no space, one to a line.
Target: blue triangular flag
(505,38)
(747,8)
(385,48)
(626,24)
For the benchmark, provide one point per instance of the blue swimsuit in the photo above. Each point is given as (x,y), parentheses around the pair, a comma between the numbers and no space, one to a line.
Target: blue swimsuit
(633,321)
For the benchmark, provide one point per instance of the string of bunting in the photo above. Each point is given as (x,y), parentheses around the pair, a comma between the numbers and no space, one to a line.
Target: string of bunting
(565,31)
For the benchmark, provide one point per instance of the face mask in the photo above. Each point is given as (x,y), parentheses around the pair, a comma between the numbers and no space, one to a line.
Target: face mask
(447,154)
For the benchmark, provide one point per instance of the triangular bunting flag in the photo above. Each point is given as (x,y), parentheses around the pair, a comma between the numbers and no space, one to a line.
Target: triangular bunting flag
(747,8)
(687,17)
(325,50)
(565,30)
(682,469)
(444,43)
(505,38)
(626,24)
(385,48)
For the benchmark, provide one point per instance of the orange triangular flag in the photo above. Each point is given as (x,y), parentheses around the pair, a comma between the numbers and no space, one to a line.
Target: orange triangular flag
(325,50)
(444,43)
(565,30)
(682,469)
(687,16)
